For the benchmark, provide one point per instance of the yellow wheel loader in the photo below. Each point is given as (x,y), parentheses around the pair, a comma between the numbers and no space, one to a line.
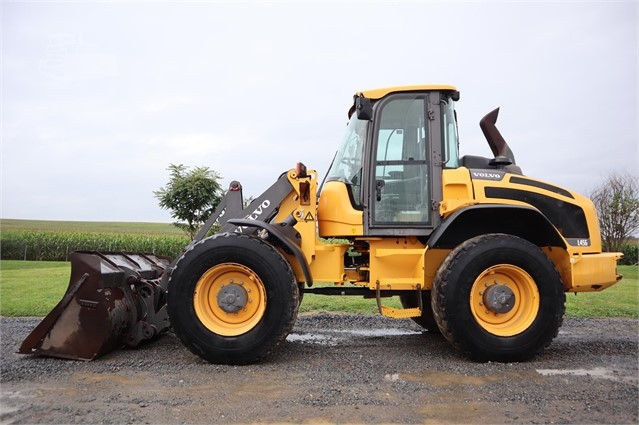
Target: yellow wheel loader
(472,247)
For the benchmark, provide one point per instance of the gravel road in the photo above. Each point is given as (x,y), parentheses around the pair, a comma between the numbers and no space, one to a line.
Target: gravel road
(332,369)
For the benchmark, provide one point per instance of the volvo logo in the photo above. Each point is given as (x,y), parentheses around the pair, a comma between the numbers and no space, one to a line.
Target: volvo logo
(487,175)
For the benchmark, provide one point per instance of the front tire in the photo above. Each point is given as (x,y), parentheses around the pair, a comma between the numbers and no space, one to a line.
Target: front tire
(498,297)
(232,299)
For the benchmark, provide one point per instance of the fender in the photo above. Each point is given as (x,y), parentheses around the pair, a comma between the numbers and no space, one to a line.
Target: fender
(474,220)
(282,238)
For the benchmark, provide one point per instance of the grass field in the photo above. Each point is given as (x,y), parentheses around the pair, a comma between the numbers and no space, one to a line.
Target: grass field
(33,288)
(90,226)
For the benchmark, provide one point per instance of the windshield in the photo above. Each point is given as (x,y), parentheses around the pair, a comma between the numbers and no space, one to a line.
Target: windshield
(347,165)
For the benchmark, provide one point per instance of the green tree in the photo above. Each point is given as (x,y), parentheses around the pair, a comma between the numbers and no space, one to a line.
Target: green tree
(191,195)
(617,203)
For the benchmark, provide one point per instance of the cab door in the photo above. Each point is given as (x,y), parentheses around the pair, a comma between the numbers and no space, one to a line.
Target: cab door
(404,182)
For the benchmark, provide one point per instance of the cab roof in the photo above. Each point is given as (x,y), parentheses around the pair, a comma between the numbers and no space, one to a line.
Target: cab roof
(381,92)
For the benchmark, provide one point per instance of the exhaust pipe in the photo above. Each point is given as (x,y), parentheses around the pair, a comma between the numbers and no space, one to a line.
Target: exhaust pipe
(495,140)
(113,300)
(504,157)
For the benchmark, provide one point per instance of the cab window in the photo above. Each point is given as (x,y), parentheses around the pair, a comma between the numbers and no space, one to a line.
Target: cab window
(450,136)
(400,186)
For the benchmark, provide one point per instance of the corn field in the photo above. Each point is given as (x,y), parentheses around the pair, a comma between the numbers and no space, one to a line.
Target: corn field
(56,246)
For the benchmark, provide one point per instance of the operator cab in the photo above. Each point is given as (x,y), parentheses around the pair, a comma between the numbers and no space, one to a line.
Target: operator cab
(385,179)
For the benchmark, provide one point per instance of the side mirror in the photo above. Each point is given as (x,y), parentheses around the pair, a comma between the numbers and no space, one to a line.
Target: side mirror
(364,108)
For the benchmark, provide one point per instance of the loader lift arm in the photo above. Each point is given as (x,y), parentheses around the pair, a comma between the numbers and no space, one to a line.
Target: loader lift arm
(259,215)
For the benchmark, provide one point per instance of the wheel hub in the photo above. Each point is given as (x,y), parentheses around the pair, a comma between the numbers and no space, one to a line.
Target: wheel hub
(232,298)
(499,298)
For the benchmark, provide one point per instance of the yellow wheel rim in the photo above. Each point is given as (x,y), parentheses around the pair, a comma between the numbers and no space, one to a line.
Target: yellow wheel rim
(504,300)
(229,299)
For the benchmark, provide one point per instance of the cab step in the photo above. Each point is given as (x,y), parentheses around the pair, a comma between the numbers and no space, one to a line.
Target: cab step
(399,313)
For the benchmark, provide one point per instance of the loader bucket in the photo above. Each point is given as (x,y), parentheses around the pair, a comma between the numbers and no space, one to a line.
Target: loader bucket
(113,300)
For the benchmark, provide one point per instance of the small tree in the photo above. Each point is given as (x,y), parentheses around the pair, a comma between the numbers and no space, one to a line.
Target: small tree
(617,203)
(191,195)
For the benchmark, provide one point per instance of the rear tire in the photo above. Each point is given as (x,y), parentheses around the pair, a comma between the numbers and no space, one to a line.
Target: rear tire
(427,319)
(498,298)
(232,299)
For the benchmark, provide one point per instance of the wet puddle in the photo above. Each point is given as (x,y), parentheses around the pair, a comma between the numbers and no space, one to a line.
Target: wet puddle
(598,372)
(447,379)
(342,334)
(311,339)
(378,332)
(437,378)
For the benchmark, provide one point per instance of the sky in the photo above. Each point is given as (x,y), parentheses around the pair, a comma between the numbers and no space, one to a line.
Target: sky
(99,98)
